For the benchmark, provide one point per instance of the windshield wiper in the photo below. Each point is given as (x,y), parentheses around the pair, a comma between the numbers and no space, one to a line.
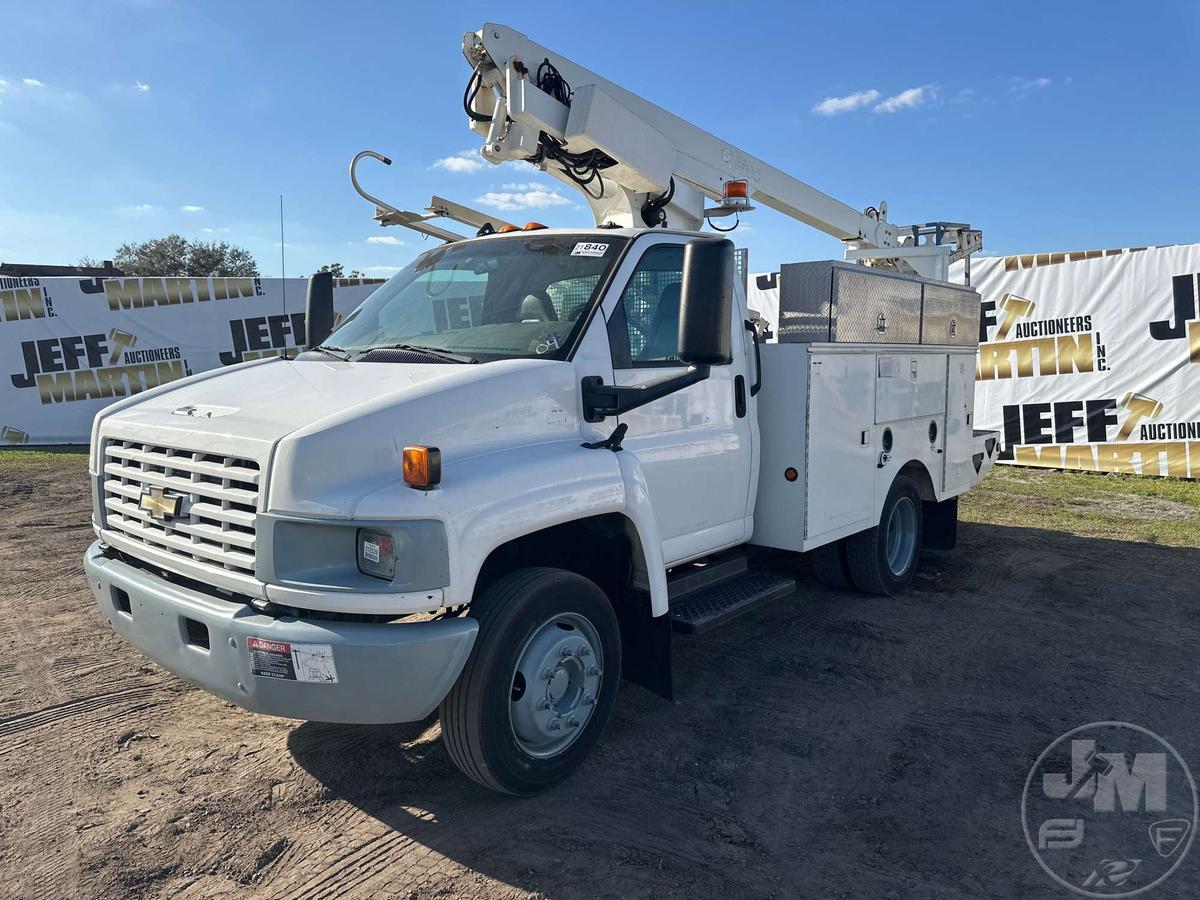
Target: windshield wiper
(432,351)
(335,352)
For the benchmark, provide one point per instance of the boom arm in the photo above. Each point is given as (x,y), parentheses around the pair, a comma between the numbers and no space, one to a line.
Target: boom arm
(633,152)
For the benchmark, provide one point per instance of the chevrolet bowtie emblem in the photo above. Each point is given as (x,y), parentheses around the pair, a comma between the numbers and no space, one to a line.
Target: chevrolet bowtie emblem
(159,503)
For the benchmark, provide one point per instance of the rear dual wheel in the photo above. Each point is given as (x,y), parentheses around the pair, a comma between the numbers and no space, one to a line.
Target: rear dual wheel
(883,559)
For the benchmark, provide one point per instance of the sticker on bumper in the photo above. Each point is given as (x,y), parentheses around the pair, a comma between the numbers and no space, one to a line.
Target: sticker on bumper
(292,662)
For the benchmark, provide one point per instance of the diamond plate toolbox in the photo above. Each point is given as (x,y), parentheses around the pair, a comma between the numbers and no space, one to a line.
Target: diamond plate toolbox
(950,315)
(841,302)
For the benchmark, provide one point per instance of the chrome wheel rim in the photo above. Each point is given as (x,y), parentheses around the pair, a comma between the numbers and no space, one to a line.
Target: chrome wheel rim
(902,536)
(555,685)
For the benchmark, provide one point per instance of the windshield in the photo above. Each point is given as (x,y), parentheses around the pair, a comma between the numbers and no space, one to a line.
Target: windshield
(522,295)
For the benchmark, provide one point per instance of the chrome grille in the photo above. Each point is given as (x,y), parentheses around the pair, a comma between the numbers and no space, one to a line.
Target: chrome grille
(215,525)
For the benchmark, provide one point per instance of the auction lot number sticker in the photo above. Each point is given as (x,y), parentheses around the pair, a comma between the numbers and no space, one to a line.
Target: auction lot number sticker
(292,662)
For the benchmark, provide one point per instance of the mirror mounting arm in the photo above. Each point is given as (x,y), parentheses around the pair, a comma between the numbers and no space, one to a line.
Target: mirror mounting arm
(601,401)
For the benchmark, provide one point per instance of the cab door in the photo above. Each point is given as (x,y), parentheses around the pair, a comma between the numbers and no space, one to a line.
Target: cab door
(695,446)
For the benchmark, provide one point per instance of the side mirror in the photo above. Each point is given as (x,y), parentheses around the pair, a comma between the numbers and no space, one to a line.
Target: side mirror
(706,303)
(318,310)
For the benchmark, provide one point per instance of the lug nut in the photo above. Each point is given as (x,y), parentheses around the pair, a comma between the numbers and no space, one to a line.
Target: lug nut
(564,651)
(573,722)
(584,651)
(543,703)
(555,725)
(547,674)
(592,670)
(589,700)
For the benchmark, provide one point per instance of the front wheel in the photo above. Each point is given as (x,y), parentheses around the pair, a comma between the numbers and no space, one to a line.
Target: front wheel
(540,684)
(883,559)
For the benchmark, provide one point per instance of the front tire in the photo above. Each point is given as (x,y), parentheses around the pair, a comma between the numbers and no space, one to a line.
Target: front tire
(884,559)
(540,684)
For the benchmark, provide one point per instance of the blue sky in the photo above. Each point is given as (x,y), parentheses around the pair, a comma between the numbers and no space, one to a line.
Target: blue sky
(1051,126)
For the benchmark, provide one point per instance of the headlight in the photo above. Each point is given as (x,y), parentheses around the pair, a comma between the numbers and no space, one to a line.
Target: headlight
(376,554)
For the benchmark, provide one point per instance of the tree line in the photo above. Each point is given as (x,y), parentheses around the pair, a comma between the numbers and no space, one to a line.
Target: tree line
(175,256)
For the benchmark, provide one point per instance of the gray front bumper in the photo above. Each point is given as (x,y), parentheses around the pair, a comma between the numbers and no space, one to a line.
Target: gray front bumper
(385,672)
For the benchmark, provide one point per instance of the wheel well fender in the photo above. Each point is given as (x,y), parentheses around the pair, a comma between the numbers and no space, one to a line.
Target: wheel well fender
(608,550)
(915,469)
(604,548)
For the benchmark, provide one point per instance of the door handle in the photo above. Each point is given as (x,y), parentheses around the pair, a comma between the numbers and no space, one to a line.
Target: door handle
(754,388)
(739,396)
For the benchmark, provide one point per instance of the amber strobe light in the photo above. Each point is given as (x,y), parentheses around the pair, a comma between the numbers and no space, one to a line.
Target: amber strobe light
(422,467)
(738,189)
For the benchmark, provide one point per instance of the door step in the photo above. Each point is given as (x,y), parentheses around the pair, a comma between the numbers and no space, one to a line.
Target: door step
(692,577)
(716,604)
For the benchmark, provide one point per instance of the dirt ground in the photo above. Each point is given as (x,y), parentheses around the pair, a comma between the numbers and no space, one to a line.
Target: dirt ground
(825,745)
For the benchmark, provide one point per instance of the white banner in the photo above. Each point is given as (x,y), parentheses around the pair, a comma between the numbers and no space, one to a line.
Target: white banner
(1087,360)
(1092,360)
(70,346)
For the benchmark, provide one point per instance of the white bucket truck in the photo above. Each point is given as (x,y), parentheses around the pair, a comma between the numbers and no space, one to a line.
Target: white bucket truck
(517,467)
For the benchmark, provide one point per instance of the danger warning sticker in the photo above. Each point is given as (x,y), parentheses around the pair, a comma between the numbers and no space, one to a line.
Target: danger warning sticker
(292,662)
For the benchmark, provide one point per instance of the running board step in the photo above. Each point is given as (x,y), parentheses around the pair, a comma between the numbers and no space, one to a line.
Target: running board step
(705,573)
(716,605)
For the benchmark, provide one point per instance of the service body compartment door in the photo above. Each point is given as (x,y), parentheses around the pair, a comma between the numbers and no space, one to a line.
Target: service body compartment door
(910,385)
(841,442)
(959,472)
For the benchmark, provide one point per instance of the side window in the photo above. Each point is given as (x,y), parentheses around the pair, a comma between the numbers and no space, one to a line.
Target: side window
(644,330)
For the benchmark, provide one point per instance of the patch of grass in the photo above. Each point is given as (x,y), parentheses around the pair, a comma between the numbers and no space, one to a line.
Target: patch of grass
(14,459)
(1118,507)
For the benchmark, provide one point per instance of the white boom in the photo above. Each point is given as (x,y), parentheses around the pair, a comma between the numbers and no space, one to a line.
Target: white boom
(638,164)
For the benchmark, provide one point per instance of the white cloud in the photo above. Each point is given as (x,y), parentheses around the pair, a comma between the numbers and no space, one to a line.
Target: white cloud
(388,239)
(538,198)
(214,230)
(141,209)
(832,106)
(466,161)
(909,99)
(188,208)
(385,269)
(3,85)
(525,186)
(1021,85)
(32,82)
(141,86)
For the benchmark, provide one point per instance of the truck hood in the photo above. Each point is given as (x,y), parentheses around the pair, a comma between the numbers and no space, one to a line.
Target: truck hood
(333,432)
(262,403)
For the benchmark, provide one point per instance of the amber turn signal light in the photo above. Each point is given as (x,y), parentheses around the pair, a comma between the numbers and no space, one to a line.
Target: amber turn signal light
(533,226)
(508,229)
(422,467)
